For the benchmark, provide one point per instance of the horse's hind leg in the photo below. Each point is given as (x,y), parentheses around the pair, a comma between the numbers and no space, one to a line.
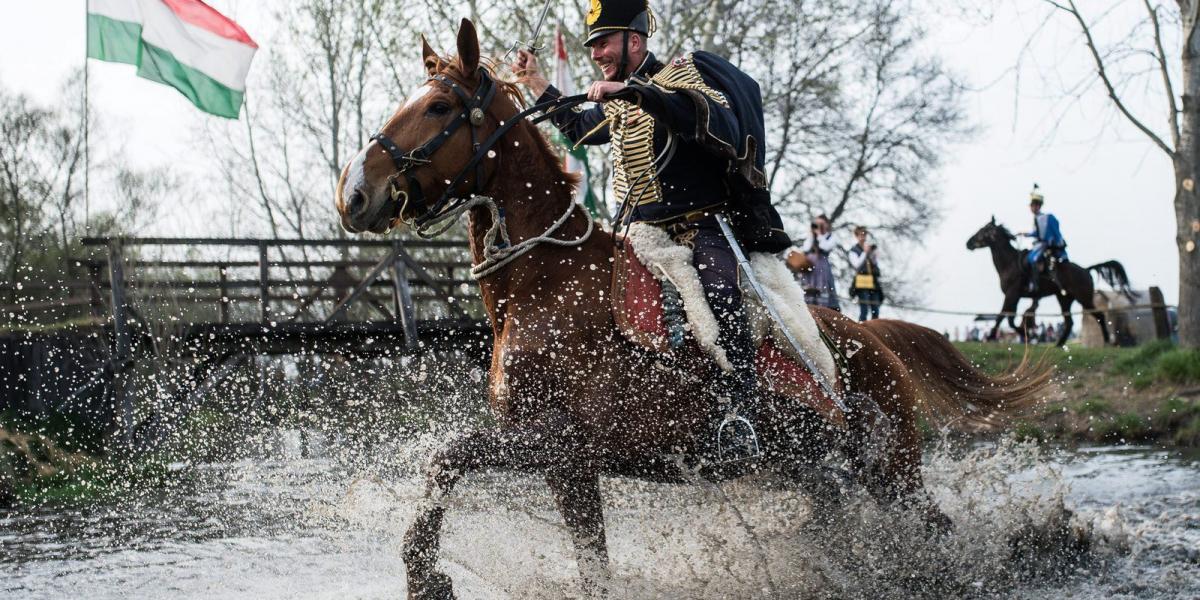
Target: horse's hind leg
(1064,302)
(901,482)
(897,480)
(577,493)
(535,447)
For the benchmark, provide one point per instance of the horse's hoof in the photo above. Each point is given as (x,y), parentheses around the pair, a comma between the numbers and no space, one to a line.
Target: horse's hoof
(434,586)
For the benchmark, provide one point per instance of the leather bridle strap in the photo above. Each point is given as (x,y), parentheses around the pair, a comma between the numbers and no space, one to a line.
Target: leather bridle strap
(449,202)
(473,115)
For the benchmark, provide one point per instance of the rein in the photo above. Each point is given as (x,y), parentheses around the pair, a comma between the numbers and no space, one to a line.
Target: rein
(448,201)
(438,218)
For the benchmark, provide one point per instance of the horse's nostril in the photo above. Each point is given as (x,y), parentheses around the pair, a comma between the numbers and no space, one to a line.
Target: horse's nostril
(356,202)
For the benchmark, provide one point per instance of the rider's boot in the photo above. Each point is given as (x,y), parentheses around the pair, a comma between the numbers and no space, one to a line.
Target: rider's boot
(1035,275)
(736,437)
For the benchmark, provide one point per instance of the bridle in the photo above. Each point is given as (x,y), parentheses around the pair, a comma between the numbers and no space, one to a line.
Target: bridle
(473,115)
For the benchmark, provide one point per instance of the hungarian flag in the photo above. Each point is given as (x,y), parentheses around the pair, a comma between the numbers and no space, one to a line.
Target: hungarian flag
(182,43)
(576,157)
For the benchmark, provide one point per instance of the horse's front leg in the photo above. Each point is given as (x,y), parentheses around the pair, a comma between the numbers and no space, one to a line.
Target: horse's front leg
(1009,308)
(1028,321)
(535,447)
(577,492)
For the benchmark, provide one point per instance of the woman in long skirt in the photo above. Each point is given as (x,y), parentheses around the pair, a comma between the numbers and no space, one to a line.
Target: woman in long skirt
(819,285)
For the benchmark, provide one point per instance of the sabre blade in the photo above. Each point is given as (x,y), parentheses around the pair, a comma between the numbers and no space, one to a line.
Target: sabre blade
(537,29)
(744,265)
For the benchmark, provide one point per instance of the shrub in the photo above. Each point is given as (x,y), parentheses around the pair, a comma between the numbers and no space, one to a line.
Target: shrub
(1094,406)
(1126,427)
(1180,365)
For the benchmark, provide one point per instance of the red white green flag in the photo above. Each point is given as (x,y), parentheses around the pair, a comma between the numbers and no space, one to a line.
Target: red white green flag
(182,43)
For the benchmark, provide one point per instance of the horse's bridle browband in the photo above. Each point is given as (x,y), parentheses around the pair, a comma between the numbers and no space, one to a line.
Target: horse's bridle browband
(474,113)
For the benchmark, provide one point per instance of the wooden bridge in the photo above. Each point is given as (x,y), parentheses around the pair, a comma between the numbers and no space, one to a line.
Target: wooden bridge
(207,305)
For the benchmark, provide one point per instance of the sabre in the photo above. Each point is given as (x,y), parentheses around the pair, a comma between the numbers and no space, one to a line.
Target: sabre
(532,46)
(744,265)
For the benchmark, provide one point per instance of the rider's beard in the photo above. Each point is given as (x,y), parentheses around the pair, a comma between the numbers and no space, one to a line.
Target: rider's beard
(611,72)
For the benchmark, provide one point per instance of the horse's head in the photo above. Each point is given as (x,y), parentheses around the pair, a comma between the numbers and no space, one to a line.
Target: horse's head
(427,143)
(989,234)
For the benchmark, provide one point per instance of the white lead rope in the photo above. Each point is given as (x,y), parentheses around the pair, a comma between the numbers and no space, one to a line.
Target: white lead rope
(496,257)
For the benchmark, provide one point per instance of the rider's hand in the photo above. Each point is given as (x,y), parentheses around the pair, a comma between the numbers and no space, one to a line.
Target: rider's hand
(598,91)
(526,67)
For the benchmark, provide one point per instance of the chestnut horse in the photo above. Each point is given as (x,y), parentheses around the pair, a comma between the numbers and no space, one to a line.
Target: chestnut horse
(574,399)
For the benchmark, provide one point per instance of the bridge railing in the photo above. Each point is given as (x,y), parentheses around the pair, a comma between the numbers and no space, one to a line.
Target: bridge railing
(269,281)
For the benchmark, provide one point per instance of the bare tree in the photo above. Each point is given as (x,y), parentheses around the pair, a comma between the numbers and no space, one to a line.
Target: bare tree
(319,93)
(1142,50)
(41,173)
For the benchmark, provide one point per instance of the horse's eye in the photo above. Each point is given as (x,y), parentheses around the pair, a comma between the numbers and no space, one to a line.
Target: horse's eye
(439,108)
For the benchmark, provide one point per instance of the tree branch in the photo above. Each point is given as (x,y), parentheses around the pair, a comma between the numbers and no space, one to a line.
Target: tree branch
(1161,58)
(1102,71)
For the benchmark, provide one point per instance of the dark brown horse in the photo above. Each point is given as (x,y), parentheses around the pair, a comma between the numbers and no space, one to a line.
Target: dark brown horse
(573,398)
(1070,282)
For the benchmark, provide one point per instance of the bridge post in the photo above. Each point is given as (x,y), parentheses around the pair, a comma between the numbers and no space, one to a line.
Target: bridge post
(264,297)
(402,296)
(96,284)
(1158,308)
(122,342)
(120,311)
(223,303)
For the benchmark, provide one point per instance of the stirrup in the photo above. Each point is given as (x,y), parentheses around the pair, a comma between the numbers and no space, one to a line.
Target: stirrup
(741,437)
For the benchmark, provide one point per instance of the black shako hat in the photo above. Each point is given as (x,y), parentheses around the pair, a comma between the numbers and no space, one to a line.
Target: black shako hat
(607,16)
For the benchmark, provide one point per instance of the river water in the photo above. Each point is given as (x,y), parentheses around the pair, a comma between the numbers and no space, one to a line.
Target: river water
(1030,523)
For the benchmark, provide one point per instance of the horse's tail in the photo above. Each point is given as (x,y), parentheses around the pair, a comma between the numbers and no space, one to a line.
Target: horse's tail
(953,387)
(1113,273)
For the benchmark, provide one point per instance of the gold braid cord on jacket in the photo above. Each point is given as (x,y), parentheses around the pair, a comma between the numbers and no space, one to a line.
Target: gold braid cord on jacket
(632,133)
(632,151)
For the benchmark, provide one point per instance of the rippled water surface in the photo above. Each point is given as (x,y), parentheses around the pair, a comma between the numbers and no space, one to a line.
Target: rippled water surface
(1031,523)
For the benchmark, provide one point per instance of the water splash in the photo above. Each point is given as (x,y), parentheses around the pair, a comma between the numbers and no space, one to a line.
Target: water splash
(759,538)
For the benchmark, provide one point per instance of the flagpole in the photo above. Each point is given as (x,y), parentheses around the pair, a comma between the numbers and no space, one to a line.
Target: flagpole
(87,166)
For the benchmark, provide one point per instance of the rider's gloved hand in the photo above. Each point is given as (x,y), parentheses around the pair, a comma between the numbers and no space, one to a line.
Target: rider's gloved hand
(527,69)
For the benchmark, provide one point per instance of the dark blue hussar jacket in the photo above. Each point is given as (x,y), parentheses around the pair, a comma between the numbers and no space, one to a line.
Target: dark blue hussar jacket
(686,137)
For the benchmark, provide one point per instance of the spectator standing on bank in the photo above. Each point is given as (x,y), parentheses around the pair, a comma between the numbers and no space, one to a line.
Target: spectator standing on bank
(819,286)
(866,287)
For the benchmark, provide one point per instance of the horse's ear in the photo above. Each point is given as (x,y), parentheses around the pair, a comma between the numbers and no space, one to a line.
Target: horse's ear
(429,57)
(468,47)
(993,219)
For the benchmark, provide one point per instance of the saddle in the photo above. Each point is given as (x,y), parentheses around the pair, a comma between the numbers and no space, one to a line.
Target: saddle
(638,309)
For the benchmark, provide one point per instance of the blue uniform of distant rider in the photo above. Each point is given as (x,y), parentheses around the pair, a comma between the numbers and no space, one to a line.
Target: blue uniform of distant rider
(1048,238)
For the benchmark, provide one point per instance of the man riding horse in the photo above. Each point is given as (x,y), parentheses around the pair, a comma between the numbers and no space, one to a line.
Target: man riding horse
(686,142)
(1049,247)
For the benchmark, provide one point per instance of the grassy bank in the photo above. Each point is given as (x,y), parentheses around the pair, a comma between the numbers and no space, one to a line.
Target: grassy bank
(1108,395)
(53,459)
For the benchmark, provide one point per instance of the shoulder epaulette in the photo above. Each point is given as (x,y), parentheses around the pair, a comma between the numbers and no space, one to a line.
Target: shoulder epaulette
(682,74)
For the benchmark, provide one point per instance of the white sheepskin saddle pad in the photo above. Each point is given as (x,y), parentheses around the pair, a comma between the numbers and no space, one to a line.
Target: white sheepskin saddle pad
(668,261)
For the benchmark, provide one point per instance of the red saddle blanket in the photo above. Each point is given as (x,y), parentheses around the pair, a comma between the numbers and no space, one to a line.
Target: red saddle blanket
(638,311)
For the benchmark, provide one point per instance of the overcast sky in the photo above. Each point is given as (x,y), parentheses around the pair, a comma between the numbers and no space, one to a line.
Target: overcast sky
(1110,188)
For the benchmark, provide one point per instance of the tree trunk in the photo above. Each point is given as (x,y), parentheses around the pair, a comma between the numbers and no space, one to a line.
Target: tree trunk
(1187,216)
(1187,202)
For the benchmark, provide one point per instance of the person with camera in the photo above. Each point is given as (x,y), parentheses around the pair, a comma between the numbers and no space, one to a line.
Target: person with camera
(864,259)
(819,285)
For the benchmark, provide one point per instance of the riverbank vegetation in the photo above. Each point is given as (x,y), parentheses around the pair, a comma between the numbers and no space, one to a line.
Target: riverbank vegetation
(1148,394)
(353,412)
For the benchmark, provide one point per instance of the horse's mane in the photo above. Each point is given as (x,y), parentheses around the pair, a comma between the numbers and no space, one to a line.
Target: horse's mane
(513,93)
(1004,230)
